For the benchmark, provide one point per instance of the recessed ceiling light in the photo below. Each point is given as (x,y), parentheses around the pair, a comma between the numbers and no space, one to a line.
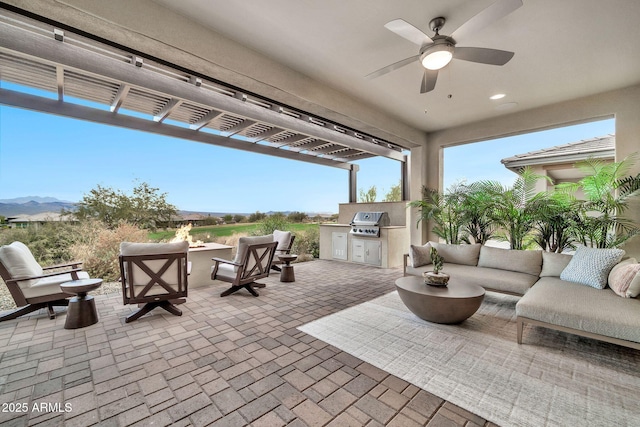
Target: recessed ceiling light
(497,96)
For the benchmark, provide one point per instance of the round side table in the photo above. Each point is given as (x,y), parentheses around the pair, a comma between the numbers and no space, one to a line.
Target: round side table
(287,275)
(82,308)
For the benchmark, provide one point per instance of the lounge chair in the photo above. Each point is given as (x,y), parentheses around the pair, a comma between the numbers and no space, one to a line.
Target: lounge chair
(32,286)
(252,262)
(153,274)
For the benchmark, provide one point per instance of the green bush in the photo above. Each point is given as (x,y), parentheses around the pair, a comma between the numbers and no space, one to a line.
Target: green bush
(270,223)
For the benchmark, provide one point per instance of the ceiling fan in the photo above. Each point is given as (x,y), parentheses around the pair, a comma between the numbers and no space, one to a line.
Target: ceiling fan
(437,51)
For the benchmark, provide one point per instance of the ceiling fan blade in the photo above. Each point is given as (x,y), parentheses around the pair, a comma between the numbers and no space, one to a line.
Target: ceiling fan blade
(483,55)
(496,11)
(428,81)
(408,31)
(392,67)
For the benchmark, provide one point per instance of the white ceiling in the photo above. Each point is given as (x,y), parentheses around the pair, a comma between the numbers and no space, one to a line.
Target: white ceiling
(563,50)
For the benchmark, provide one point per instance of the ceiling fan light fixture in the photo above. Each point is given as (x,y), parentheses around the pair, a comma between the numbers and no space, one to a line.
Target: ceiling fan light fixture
(437,56)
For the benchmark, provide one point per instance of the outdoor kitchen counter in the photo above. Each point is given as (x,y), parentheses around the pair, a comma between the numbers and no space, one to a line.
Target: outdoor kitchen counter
(394,238)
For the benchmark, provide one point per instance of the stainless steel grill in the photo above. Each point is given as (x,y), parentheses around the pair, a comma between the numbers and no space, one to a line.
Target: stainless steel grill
(368,223)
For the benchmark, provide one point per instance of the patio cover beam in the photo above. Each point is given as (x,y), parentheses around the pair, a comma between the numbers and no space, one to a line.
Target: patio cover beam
(60,52)
(52,106)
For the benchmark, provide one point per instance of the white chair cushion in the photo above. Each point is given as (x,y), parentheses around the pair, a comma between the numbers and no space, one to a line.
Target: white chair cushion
(130,248)
(283,238)
(140,278)
(244,242)
(19,261)
(226,272)
(50,285)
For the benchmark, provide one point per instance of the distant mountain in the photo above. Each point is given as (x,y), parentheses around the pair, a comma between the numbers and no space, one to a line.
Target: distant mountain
(32,207)
(38,199)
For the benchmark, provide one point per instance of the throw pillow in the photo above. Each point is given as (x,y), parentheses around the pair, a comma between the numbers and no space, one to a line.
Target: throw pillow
(553,264)
(591,266)
(634,287)
(622,275)
(420,255)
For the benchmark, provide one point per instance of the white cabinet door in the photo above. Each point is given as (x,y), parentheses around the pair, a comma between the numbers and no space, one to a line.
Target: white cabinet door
(373,252)
(339,245)
(366,251)
(357,250)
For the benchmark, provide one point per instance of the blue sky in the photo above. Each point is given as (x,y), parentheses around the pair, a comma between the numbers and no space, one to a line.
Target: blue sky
(47,155)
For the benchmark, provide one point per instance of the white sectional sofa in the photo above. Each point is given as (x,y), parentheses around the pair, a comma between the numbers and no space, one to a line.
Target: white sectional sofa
(546,299)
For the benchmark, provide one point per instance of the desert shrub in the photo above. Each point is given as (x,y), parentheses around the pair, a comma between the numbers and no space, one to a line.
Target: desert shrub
(230,240)
(307,244)
(270,223)
(99,246)
(49,242)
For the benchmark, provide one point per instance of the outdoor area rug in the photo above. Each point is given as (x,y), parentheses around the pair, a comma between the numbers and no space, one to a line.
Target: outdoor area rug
(552,379)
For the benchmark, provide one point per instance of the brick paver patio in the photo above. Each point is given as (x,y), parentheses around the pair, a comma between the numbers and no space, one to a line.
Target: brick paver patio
(230,361)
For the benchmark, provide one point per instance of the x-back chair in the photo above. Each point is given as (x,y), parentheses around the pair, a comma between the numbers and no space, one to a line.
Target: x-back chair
(153,274)
(252,262)
(32,286)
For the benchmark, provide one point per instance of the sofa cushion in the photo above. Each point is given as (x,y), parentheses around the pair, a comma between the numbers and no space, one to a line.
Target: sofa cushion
(489,278)
(419,255)
(553,263)
(622,275)
(591,266)
(529,262)
(573,305)
(458,254)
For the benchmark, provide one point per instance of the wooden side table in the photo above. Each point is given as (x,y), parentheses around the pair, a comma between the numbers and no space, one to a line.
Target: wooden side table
(82,308)
(287,275)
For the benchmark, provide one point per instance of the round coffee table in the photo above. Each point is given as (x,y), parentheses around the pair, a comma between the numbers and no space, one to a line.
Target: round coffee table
(82,308)
(449,304)
(286,274)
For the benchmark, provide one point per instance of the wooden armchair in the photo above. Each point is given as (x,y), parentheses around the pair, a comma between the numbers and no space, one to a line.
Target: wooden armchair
(32,286)
(252,262)
(153,274)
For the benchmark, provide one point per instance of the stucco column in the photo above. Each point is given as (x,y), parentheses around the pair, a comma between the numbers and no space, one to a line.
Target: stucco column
(418,166)
(628,142)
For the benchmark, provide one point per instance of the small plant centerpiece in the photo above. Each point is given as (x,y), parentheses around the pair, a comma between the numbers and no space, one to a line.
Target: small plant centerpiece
(435,277)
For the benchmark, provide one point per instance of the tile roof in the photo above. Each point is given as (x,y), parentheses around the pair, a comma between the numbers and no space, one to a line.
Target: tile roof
(599,147)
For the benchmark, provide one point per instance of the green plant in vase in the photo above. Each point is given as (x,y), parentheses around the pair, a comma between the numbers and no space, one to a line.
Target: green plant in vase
(436,260)
(436,277)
